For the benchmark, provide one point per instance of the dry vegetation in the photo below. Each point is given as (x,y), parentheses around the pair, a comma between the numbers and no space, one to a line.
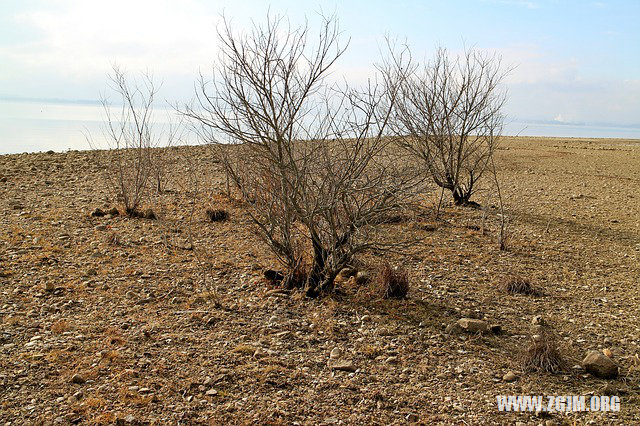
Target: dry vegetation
(167,321)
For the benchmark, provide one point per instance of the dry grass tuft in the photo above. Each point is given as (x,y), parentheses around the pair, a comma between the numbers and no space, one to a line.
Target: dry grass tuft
(520,285)
(244,349)
(60,326)
(543,354)
(392,282)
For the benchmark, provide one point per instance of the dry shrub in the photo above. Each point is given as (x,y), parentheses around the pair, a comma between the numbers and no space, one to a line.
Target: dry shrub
(217,215)
(392,282)
(520,285)
(543,354)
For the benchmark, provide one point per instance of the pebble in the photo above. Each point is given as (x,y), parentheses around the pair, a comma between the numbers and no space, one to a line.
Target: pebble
(510,377)
(336,353)
(78,379)
(342,365)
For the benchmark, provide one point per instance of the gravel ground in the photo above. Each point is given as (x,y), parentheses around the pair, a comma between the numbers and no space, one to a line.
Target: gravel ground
(134,321)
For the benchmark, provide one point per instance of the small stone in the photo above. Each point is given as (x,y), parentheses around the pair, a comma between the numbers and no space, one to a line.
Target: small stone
(608,353)
(212,392)
(101,228)
(49,286)
(78,395)
(336,353)
(144,390)
(392,360)
(78,379)
(471,325)
(600,365)
(259,353)
(510,377)
(342,365)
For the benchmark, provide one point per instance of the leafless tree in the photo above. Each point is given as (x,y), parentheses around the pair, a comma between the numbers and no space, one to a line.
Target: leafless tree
(133,159)
(309,159)
(448,114)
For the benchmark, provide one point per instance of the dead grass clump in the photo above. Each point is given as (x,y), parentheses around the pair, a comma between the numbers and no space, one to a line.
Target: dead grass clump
(392,282)
(244,349)
(217,215)
(113,239)
(543,354)
(60,327)
(520,285)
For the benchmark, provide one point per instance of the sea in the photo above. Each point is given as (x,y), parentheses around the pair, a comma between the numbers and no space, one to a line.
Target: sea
(34,126)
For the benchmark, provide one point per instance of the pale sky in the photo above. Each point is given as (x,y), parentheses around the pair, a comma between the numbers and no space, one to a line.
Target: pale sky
(575,61)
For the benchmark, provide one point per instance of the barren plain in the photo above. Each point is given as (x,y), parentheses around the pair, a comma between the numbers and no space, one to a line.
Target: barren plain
(132,321)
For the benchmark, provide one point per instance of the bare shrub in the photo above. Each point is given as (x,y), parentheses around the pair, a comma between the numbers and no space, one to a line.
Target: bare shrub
(310,161)
(448,115)
(543,354)
(133,158)
(392,282)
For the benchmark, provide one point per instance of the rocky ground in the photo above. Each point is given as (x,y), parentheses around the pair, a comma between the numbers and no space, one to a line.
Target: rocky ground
(134,321)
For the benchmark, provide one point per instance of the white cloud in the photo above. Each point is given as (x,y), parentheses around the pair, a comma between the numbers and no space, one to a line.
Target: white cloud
(83,38)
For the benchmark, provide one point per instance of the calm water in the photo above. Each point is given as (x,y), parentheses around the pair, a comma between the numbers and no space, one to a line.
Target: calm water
(43,126)
(35,126)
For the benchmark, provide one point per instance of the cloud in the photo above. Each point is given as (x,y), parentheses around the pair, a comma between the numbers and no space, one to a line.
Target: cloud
(543,87)
(79,40)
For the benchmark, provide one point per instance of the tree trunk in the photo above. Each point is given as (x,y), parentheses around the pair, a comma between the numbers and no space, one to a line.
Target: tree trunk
(316,279)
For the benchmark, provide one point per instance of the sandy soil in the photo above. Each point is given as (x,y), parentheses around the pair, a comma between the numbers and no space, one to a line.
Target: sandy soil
(114,320)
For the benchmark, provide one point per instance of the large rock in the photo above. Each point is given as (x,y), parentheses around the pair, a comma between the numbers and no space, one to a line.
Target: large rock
(600,365)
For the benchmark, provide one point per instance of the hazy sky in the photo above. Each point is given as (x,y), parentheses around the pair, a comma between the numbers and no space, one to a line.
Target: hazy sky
(576,61)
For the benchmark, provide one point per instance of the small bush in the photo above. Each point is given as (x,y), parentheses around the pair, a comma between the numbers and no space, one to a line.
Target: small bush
(543,354)
(520,285)
(217,215)
(392,282)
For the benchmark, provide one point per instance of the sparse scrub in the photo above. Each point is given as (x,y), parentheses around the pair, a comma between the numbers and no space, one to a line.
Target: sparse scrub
(133,158)
(447,115)
(392,282)
(309,161)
